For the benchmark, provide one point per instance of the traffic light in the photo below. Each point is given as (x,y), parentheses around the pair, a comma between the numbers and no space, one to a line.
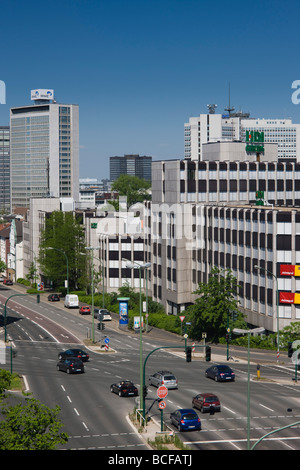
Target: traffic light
(207,353)
(188,354)
(234,316)
(101,326)
(290,349)
(145,391)
(38,298)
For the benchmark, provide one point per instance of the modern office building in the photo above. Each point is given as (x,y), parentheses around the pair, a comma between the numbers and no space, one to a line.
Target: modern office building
(120,238)
(206,213)
(4,169)
(44,150)
(134,165)
(234,127)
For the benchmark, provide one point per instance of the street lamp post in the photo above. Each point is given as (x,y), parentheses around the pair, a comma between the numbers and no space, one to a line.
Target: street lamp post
(62,251)
(277,303)
(140,267)
(90,248)
(102,268)
(248,332)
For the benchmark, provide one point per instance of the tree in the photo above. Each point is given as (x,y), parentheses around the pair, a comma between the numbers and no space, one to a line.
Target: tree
(66,235)
(32,426)
(216,300)
(3,266)
(31,276)
(5,381)
(134,188)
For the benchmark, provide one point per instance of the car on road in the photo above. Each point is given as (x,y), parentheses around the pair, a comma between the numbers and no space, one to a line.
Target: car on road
(220,373)
(185,419)
(71,365)
(206,402)
(165,378)
(8,282)
(84,310)
(71,301)
(53,297)
(124,388)
(78,353)
(98,312)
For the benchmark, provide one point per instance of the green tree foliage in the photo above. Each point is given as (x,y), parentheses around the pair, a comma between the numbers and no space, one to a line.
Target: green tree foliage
(216,300)
(32,272)
(32,426)
(5,381)
(65,234)
(134,188)
(3,266)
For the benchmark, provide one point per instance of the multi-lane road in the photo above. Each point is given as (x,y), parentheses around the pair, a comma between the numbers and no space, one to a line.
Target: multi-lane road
(94,418)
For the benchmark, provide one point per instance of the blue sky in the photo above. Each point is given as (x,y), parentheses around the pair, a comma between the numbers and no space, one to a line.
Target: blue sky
(140,69)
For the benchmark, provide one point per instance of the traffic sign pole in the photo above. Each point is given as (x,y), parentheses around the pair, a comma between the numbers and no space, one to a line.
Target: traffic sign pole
(162,391)
(145,362)
(161,420)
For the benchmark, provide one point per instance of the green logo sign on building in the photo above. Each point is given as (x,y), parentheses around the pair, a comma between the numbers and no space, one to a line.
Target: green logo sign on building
(255,141)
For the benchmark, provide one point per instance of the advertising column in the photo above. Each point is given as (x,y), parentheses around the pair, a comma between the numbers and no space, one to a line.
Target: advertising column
(123,312)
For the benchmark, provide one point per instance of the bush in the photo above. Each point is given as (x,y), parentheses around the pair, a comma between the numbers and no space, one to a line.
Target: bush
(25,282)
(170,323)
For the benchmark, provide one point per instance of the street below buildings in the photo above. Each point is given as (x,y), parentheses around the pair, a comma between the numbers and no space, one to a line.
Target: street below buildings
(95,418)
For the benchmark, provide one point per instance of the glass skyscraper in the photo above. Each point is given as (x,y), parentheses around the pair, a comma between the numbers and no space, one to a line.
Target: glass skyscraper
(44,152)
(134,165)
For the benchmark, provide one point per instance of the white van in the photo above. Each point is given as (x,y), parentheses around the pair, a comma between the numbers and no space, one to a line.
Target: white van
(71,301)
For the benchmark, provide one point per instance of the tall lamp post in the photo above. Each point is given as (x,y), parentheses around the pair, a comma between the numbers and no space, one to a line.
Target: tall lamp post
(102,268)
(62,251)
(248,332)
(90,248)
(140,267)
(277,303)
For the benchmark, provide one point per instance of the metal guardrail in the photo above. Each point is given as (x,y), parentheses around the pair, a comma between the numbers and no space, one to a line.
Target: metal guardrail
(139,417)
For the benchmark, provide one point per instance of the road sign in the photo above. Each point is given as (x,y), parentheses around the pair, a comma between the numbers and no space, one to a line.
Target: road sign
(106,340)
(182,318)
(106,347)
(162,404)
(162,392)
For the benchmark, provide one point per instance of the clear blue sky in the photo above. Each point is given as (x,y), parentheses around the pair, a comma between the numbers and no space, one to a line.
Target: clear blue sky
(140,69)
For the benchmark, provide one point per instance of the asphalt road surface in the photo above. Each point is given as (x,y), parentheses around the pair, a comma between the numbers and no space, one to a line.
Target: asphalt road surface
(94,418)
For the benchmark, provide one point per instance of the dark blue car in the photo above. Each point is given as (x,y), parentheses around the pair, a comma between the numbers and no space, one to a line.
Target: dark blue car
(185,419)
(220,373)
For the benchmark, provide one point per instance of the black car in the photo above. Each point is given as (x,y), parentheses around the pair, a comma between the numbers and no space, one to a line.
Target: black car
(125,388)
(78,353)
(71,365)
(53,297)
(220,373)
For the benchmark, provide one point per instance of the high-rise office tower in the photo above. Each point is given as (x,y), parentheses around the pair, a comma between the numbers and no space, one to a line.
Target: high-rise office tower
(44,149)
(134,165)
(233,126)
(4,169)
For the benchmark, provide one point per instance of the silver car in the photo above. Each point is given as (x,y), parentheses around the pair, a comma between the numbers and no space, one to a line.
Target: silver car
(102,312)
(165,378)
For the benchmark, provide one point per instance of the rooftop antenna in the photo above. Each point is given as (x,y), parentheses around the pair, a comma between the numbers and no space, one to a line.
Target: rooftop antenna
(229,109)
(212,108)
